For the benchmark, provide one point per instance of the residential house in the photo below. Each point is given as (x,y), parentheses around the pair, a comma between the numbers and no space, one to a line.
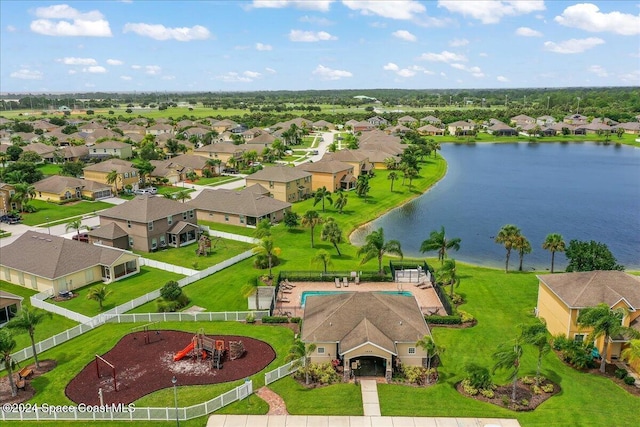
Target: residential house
(111,148)
(430,130)
(363,126)
(562,296)
(285,183)
(461,127)
(431,120)
(192,163)
(377,121)
(596,127)
(522,119)
(323,125)
(152,222)
(364,330)
(407,121)
(90,127)
(127,174)
(245,208)
(10,304)
(43,150)
(501,129)
(6,204)
(73,153)
(545,120)
(378,155)
(110,235)
(398,130)
(43,262)
(224,125)
(260,142)
(131,129)
(159,129)
(355,158)
(630,127)
(222,151)
(57,188)
(167,169)
(332,174)
(576,119)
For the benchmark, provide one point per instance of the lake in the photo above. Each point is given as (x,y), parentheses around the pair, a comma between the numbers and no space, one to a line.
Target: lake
(583,191)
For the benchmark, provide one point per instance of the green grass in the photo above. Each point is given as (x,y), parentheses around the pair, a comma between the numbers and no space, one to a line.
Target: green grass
(149,279)
(482,137)
(217,180)
(57,212)
(338,399)
(49,169)
(186,256)
(48,328)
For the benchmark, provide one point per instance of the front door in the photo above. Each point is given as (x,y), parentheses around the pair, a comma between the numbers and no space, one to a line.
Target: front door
(369,366)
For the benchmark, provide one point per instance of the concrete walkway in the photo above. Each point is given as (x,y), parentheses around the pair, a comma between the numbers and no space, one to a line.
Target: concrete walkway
(344,421)
(370,402)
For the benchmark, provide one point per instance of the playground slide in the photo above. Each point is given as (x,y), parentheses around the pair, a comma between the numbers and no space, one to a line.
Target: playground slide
(182,353)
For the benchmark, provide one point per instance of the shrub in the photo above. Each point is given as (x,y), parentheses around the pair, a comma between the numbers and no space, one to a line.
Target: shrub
(547,388)
(457,299)
(528,380)
(489,394)
(524,402)
(465,317)
(417,374)
(275,319)
(629,380)
(536,389)
(297,320)
(505,400)
(323,373)
(478,376)
(250,318)
(171,291)
(621,373)
(172,298)
(444,320)
(468,388)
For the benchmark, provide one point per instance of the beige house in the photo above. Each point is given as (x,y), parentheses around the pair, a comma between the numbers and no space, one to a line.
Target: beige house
(57,188)
(285,183)
(368,332)
(222,151)
(104,149)
(243,208)
(43,262)
(562,296)
(150,222)
(460,127)
(10,304)
(355,158)
(127,174)
(332,174)
(6,204)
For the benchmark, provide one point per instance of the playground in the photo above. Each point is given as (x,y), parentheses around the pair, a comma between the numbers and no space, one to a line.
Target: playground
(146,360)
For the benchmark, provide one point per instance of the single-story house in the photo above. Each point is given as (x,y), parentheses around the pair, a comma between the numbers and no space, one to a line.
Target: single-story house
(365,330)
(57,188)
(430,130)
(43,262)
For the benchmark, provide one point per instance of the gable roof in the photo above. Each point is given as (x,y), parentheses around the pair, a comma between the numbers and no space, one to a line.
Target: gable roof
(121,166)
(145,209)
(326,166)
(381,319)
(52,257)
(220,147)
(245,202)
(57,184)
(590,288)
(279,174)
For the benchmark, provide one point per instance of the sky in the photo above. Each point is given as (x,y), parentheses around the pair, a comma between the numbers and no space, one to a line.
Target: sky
(144,45)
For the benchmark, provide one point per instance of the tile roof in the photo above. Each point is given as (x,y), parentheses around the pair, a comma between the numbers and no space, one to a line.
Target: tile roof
(590,288)
(145,209)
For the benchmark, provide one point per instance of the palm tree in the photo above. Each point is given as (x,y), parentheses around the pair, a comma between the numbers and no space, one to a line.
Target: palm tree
(322,256)
(182,195)
(438,241)
(24,193)
(27,320)
(390,163)
(331,231)
(522,245)
(508,357)
(632,353)
(321,195)
(362,186)
(536,335)
(267,248)
(605,323)
(214,164)
(411,173)
(507,236)
(341,200)
(77,225)
(429,346)
(100,294)
(263,229)
(112,179)
(448,274)
(7,345)
(311,219)
(232,162)
(144,169)
(392,176)
(554,243)
(375,247)
(299,354)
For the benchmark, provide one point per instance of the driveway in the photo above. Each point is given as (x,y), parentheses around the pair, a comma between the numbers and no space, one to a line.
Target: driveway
(325,139)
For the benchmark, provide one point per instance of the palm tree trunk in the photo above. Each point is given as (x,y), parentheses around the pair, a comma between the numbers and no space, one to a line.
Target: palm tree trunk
(603,355)
(33,348)
(312,237)
(513,392)
(553,255)
(521,258)
(506,266)
(337,249)
(12,385)
(380,270)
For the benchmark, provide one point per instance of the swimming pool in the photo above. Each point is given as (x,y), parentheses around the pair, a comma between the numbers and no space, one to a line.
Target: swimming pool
(305,294)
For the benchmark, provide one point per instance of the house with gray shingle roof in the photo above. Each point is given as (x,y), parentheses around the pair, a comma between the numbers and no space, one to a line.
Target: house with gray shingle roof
(43,262)
(365,329)
(243,208)
(153,222)
(562,296)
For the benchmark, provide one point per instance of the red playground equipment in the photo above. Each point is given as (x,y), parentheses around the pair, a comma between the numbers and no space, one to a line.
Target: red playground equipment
(204,347)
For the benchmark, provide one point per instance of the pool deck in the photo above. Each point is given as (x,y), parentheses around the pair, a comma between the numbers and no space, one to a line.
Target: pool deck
(289,302)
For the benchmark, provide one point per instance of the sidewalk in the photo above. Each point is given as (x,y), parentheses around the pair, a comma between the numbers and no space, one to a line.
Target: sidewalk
(346,421)
(370,402)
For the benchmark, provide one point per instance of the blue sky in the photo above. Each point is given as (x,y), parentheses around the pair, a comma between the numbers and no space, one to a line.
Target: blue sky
(144,45)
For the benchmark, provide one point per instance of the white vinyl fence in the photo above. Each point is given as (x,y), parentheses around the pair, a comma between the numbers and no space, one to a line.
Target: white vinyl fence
(225,316)
(282,371)
(125,412)
(38,300)
(167,267)
(229,236)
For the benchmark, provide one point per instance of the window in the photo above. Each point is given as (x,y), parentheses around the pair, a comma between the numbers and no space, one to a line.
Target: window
(128,224)
(126,174)
(270,184)
(320,350)
(170,220)
(241,219)
(191,213)
(130,241)
(154,243)
(412,350)
(163,242)
(226,218)
(150,226)
(184,216)
(578,337)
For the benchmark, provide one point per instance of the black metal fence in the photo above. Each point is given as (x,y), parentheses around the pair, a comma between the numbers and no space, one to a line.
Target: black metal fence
(330,276)
(404,264)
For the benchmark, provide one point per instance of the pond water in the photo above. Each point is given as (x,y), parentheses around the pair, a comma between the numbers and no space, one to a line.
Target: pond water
(582,191)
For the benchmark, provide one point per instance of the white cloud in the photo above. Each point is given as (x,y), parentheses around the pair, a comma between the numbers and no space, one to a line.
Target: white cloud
(11,29)
(114,62)
(474,71)
(136,67)
(631,78)
(310,36)
(152,70)
(410,71)
(587,16)
(573,45)
(168,77)
(252,74)
(444,56)
(390,67)
(126,78)
(26,74)
(404,35)
(459,66)
(64,20)
(160,32)
(458,42)
(326,73)
(270,70)
(78,61)
(321,5)
(405,72)
(502,79)
(323,22)
(72,71)
(398,9)
(491,11)
(95,69)
(528,32)
(233,77)
(598,70)
(483,55)
(263,47)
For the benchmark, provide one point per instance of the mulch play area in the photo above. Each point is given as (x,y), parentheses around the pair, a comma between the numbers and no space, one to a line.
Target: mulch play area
(142,368)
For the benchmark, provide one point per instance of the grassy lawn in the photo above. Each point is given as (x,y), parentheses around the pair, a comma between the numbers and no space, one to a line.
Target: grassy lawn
(49,169)
(149,279)
(626,139)
(48,328)
(57,212)
(186,256)
(217,180)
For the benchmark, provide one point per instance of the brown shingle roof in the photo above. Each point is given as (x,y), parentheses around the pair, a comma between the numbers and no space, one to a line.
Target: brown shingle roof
(57,184)
(279,174)
(590,288)
(145,209)
(326,166)
(118,165)
(244,202)
(108,231)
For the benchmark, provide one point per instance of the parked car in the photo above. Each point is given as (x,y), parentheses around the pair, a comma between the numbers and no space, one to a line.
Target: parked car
(314,152)
(82,237)
(229,170)
(10,219)
(150,190)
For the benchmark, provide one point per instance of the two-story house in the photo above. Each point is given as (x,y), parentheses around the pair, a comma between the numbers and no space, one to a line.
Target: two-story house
(355,158)
(331,174)
(222,151)
(285,183)
(6,194)
(150,223)
(125,174)
(112,148)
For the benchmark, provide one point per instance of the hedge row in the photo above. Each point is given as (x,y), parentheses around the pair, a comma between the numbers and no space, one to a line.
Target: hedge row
(453,319)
